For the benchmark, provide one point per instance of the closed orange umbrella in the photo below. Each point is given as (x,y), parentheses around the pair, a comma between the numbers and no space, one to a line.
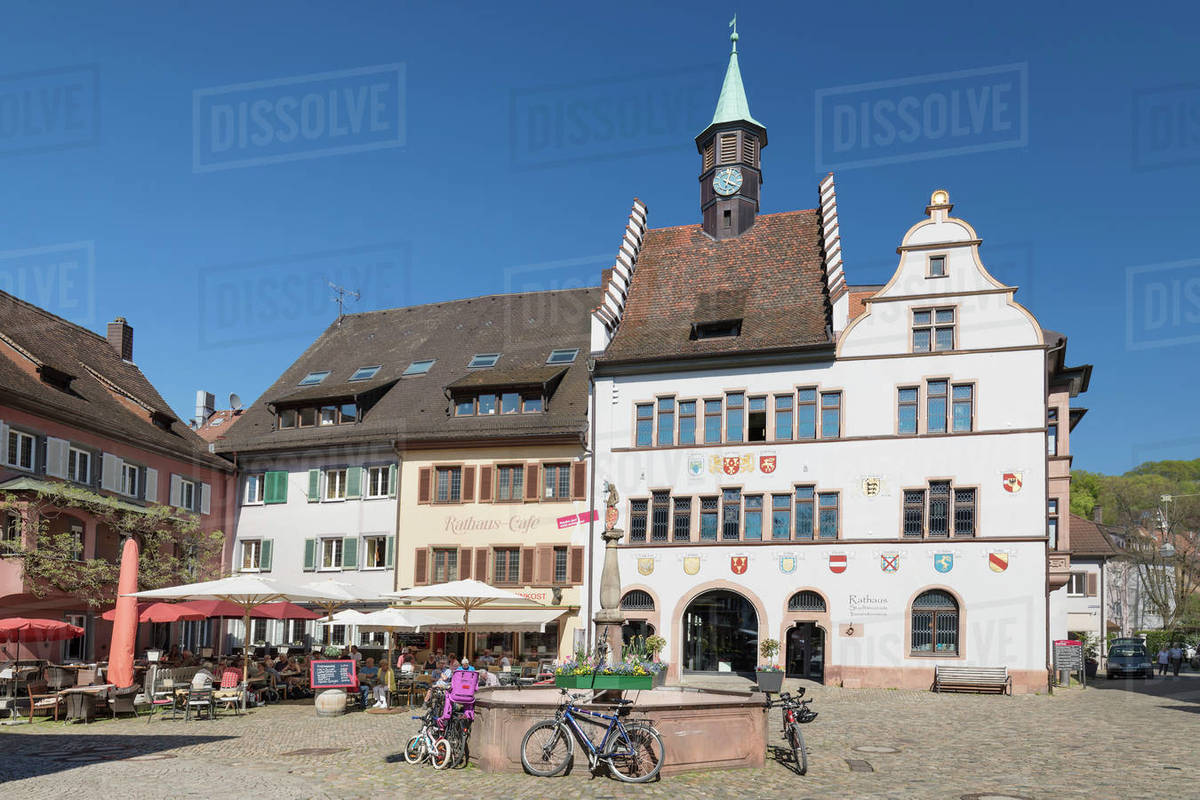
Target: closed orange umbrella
(124,633)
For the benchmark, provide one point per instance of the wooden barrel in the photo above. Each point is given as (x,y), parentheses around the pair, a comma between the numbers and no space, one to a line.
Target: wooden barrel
(331,703)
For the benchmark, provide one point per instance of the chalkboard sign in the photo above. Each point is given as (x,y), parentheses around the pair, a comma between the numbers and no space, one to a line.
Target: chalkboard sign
(332,674)
(1068,654)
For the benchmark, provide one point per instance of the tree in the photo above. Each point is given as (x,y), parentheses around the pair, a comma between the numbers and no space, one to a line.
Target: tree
(173,548)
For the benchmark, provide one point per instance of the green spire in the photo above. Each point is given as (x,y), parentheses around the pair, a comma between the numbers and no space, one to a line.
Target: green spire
(732,105)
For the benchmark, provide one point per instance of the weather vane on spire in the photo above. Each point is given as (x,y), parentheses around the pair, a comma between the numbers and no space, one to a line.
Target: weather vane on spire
(733,37)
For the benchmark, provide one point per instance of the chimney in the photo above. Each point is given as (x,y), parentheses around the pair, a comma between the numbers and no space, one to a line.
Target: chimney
(120,336)
(206,404)
(1098,514)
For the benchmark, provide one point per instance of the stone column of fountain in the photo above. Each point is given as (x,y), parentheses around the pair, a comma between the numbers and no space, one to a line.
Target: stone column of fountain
(610,618)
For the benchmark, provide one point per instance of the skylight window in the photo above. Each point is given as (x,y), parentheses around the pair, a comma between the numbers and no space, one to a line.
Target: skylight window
(562,356)
(364,373)
(717,330)
(419,367)
(483,360)
(313,378)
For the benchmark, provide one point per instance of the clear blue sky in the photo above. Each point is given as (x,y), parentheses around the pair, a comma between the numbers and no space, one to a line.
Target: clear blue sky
(133,204)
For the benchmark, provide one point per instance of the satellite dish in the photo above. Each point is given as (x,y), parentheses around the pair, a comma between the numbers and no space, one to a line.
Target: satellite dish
(235,402)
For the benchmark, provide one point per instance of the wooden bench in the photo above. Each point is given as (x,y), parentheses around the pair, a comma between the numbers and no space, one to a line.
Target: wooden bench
(972,679)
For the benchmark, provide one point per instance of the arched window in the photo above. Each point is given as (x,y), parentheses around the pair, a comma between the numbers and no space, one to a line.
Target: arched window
(934,624)
(806,600)
(637,600)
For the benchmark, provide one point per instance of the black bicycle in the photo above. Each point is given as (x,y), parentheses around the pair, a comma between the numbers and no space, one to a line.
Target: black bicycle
(795,713)
(632,750)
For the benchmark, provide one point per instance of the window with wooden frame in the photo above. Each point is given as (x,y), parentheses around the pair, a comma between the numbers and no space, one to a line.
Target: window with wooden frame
(335,484)
(687,421)
(444,561)
(708,519)
(756,427)
(666,421)
(907,410)
(1077,584)
(77,542)
(506,563)
(731,514)
(933,329)
(936,402)
(644,425)
(831,415)
(734,416)
(784,404)
(781,516)
(806,497)
(331,553)
(712,421)
(556,482)
(1051,432)
(660,515)
(510,483)
(560,564)
(752,505)
(10,532)
(251,554)
(79,465)
(20,449)
(378,480)
(936,267)
(934,624)
(939,511)
(806,413)
(681,520)
(375,552)
(448,485)
(827,515)
(1052,522)
(962,407)
(637,520)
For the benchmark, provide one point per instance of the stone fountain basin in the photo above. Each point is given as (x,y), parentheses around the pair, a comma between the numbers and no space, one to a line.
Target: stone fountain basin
(701,729)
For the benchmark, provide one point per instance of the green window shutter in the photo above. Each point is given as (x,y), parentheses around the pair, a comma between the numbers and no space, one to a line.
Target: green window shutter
(264,556)
(350,552)
(314,485)
(390,557)
(353,482)
(392,481)
(310,554)
(275,488)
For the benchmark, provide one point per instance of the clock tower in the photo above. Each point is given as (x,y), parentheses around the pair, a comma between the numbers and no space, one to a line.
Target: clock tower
(730,148)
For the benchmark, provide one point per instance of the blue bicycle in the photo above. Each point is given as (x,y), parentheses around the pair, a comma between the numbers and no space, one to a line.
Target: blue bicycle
(632,750)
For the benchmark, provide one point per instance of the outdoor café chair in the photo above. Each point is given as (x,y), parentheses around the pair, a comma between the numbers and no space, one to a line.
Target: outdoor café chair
(201,700)
(41,702)
(231,690)
(58,678)
(123,701)
(85,677)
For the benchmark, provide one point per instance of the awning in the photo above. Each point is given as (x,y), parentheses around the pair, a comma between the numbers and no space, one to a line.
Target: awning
(484,620)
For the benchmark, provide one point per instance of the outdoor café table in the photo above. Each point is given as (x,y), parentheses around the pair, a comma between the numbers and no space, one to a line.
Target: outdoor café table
(81,700)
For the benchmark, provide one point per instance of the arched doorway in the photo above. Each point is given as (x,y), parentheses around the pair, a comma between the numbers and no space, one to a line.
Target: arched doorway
(720,633)
(804,651)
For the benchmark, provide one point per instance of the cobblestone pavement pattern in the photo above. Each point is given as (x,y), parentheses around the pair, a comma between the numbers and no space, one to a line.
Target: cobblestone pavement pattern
(1129,738)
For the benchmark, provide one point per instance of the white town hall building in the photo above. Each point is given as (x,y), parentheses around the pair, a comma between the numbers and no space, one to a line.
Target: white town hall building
(861,473)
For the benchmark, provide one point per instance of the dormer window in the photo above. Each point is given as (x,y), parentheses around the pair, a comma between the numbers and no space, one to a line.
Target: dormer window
(492,403)
(481,360)
(364,373)
(716,330)
(313,378)
(419,367)
(318,416)
(565,356)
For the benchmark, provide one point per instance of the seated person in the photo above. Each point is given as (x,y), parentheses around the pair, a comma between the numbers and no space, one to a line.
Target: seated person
(505,661)
(490,678)
(367,677)
(203,679)
(430,662)
(385,684)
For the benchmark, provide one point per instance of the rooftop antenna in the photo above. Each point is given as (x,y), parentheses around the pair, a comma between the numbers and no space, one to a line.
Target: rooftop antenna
(341,292)
(235,402)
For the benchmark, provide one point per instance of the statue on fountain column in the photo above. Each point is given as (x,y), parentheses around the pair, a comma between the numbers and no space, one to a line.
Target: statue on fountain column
(610,618)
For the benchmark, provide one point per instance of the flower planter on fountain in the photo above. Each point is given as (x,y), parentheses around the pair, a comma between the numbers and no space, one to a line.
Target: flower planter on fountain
(601,681)
(591,672)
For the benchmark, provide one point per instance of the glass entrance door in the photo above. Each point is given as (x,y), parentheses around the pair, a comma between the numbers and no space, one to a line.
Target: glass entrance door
(806,652)
(720,633)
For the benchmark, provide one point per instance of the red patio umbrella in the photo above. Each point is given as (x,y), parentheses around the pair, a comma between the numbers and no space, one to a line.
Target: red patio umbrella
(23,629)
(218,608)
(125,623)
(161,612)
(283,610)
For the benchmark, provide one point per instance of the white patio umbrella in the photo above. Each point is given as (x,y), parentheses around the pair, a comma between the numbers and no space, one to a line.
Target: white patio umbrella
(245,591)
(466,595)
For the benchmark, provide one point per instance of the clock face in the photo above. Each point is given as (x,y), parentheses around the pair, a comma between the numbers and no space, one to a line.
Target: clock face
(727,181)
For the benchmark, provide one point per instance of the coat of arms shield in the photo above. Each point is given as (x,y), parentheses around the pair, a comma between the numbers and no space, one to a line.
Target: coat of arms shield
(738,564)
(645,566)
(787,564)
(691,564)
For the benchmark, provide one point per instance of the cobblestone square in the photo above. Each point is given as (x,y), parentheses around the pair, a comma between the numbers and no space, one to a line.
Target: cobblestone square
(1129,738)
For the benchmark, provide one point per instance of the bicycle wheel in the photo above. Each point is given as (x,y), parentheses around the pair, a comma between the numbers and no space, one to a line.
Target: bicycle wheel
(441,754)
(414,750)
(636,757)
(799,751)
(546,749)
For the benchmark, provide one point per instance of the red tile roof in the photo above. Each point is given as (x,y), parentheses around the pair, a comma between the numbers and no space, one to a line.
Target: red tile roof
(858,294)
(1089,539)
(216,426)
(771,277)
